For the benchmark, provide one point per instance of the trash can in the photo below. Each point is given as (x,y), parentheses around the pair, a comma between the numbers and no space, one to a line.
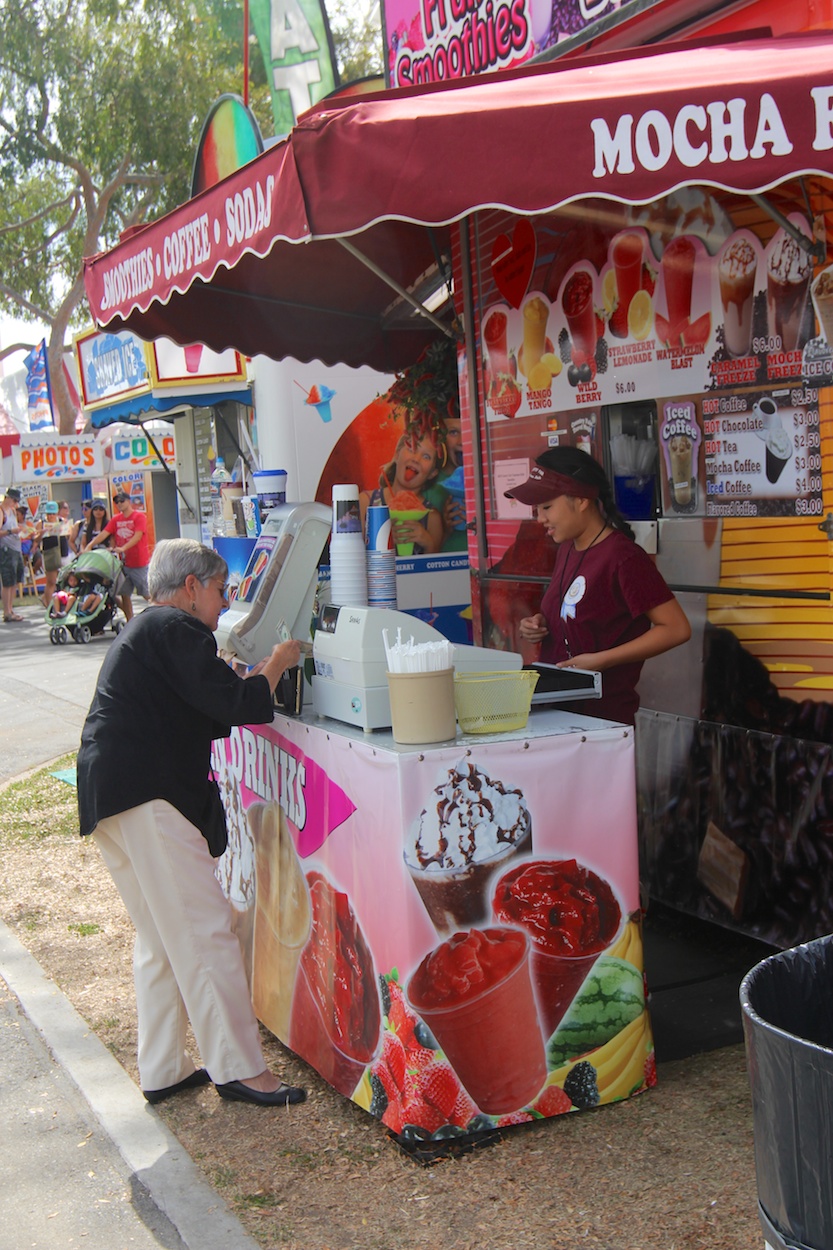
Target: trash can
(787,1006)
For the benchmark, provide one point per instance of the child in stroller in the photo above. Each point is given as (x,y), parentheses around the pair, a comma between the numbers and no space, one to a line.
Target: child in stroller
(86,597)
(64,600)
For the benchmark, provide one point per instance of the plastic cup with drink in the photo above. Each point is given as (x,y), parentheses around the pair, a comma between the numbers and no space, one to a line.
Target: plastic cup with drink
(736,272)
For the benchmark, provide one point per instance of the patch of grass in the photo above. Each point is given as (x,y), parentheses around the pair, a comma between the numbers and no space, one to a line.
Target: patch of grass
(84,929)
(29,918)
(222,1177)
(39,806)
(256,1201)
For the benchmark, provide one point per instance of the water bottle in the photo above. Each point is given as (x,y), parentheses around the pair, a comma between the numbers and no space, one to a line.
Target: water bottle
(218,478)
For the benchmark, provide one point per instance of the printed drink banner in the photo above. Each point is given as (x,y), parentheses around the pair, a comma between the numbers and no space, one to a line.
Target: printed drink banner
(462,952)
(439,39)
(707,314)
(756,454)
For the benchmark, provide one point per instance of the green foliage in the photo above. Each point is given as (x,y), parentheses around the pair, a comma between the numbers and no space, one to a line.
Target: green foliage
(39,806)
(84,929)
(357,37)
(102,105)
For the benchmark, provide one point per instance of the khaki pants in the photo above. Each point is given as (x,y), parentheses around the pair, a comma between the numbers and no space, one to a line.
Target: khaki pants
(187,962)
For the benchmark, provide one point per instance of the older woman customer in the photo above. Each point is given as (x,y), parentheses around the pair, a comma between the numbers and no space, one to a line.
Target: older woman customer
(145,795)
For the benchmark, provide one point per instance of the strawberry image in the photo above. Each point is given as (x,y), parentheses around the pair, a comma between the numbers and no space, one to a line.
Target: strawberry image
(425,1114)
(393,1055)
(619,322)
(651,1070)
(400,1018)
(517,1117)
(393,1091)
(419,1057)
(463,1110)
(440,1087)
(394,1118)
(553,1101)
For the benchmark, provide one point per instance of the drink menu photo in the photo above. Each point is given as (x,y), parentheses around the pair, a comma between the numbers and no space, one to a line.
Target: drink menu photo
(678,303)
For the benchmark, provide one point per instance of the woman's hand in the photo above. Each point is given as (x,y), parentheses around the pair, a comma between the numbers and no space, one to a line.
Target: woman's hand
(533,628)
(285,655)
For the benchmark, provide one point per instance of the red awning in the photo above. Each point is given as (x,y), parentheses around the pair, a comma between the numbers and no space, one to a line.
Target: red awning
(257,264)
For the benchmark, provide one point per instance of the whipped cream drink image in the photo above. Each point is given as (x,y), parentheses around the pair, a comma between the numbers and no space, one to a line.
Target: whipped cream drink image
(736,275)
(788,280)
(471,826)
(823,302)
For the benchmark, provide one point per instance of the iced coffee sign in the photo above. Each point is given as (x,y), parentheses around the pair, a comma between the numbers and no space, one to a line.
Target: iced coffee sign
(763,454)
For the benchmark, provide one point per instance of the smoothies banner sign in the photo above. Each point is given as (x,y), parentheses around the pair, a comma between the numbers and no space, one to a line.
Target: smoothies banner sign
(433,40)
(498,976)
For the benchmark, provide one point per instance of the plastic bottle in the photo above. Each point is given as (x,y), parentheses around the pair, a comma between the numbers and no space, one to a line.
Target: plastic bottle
(218,478)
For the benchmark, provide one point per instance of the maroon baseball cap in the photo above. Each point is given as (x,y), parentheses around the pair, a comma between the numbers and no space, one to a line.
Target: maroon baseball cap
(544,484)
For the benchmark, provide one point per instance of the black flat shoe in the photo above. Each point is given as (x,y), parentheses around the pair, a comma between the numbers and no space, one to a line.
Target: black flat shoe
(236,1091)
(194,1081)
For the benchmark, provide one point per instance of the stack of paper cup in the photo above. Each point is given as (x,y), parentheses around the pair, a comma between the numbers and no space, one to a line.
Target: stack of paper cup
(348,566)
(381,559)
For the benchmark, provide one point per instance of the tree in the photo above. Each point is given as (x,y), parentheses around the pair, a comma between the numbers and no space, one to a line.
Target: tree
(357,37)
(102,104)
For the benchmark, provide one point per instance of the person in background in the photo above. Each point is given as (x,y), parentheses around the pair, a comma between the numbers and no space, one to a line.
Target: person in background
(162,681)
(50,543)
(96,522)
(128,528)
(607,608)
(11,559)
(79,526)
(67,525)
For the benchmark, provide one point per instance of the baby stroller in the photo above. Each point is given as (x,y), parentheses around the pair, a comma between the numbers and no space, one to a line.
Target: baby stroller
(88,594)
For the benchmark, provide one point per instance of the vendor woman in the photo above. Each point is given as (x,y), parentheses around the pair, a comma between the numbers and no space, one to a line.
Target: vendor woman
(606,609)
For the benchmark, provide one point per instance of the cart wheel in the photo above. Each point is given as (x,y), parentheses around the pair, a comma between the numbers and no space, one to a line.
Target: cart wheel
(61,634)
(83,633)
(118,626)
(53,636)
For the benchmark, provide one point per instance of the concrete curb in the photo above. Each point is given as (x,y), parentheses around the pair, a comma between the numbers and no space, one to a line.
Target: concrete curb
(158,1160)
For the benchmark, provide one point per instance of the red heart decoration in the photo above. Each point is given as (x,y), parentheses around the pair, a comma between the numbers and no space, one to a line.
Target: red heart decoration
(513,261)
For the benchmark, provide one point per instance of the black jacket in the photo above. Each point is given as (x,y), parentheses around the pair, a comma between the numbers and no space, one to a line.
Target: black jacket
(162,695)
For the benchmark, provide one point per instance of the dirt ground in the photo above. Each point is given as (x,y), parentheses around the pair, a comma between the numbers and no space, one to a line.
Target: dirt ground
(672,1169)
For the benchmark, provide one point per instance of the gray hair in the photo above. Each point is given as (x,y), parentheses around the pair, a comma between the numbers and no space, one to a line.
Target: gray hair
(174,559)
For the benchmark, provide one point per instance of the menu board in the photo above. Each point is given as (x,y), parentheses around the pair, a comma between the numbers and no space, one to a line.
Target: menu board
(628,322)
(756,454)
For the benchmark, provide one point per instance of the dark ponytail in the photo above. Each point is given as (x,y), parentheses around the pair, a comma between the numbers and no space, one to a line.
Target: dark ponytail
(575,463)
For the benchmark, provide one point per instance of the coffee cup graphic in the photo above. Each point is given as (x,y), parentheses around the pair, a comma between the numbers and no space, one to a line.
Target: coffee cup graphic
(779,448)
(765,409)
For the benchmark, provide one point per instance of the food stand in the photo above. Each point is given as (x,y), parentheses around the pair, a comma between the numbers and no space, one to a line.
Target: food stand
(598,235)
(340,914)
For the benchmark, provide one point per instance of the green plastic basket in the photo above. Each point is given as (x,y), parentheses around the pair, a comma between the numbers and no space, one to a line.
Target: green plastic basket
(493,703)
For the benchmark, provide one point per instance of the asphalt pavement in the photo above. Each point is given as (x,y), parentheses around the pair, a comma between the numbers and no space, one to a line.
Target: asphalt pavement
(84,1160)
